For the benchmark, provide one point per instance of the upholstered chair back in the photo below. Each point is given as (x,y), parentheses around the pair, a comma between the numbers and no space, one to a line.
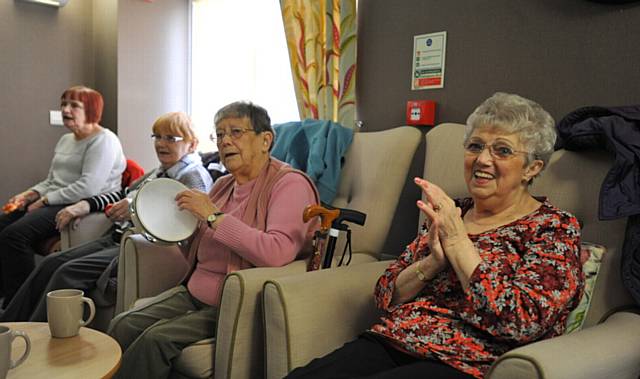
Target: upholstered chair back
(373,176)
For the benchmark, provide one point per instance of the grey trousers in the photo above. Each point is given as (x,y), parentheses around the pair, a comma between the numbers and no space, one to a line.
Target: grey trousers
(79,268)
(153,334)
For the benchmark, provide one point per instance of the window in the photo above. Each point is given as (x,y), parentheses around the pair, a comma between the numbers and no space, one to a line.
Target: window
(239,52)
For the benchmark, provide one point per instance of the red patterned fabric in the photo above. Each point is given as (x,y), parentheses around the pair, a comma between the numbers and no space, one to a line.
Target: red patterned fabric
(529,280)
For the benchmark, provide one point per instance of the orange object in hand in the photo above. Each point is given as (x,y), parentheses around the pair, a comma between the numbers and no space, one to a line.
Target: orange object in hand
(10,207)
(107,208)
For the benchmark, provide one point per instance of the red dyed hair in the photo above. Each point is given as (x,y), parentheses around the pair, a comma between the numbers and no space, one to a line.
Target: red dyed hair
(91,99)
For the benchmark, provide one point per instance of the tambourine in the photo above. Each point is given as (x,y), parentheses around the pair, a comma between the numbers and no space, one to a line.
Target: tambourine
(155,214)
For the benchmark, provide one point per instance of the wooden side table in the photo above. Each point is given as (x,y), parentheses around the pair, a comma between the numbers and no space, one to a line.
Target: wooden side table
(90,354)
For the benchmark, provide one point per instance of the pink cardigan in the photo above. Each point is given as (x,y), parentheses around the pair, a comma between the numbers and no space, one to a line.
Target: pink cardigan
(275,208)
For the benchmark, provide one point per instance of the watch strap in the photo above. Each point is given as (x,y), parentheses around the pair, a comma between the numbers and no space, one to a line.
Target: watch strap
(215,217)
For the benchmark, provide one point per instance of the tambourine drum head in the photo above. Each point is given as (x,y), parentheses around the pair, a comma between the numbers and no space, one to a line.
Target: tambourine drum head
(158,214)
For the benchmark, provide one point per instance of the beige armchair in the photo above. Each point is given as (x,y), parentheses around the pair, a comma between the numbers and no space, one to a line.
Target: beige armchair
(373,176)
(307,316)
(92,226)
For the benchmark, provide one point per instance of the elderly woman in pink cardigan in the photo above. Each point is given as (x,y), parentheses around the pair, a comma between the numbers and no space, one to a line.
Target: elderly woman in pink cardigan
(251,218)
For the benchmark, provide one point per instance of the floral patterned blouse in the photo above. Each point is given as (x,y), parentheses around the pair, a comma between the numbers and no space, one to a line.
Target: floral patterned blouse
(529,279)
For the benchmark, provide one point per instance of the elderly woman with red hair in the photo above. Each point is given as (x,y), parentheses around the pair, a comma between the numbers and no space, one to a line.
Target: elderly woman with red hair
(86,162)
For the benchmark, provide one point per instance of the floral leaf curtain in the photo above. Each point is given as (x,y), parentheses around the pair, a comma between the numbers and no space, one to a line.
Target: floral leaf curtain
(321,38)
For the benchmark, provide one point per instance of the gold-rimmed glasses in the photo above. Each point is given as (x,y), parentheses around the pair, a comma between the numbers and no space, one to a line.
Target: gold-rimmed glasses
(498,150)
(234,133)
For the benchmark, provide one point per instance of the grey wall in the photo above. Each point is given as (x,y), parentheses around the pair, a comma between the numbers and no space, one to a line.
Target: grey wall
(134,52)
(562,53)
(44,51)
(105,47)
(153,70)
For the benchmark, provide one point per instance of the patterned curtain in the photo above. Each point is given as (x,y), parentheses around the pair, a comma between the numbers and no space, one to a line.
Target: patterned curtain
(321,38)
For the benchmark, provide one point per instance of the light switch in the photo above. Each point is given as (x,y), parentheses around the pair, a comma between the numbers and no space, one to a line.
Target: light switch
(55,118)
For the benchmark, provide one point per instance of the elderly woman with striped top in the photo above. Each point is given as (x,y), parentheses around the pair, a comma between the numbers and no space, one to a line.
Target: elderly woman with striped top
(82,267)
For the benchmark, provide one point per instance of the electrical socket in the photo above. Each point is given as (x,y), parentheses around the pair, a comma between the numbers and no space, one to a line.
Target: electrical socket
(55,118)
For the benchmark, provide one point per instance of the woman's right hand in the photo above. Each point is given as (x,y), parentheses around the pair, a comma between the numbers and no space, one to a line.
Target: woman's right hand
(196,202)
(72,213)
(24,198)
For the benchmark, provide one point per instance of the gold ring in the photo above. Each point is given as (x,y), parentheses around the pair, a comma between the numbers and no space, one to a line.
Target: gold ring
(437,207)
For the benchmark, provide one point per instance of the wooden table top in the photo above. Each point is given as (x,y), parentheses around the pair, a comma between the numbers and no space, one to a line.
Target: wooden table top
(90,354)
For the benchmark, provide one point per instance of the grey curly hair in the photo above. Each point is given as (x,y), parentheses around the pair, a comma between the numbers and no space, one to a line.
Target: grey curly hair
(515,114)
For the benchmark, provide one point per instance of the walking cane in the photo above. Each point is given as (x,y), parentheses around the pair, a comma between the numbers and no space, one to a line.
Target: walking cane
(320,237)
(331,223)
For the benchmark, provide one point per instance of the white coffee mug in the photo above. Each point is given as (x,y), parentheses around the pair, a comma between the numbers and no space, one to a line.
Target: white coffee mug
(6,339)
(65,309)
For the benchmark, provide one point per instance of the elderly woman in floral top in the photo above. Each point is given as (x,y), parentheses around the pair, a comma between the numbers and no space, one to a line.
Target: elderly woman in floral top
(486,274)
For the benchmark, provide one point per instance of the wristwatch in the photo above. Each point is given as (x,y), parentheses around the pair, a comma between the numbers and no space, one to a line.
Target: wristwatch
(213,217)
(421,276)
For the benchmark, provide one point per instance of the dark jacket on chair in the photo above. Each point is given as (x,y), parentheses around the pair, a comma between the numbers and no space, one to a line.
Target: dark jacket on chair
(616,129)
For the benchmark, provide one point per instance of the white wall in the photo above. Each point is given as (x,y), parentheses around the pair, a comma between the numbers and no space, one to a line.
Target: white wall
(153,66)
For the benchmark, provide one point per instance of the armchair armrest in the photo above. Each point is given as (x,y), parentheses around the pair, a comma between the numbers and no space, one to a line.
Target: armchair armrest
(607,350)
(145,269)
(91,227)
(307,316)
(239,337)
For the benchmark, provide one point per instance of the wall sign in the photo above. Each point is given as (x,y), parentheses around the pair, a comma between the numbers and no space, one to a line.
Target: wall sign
(428,60)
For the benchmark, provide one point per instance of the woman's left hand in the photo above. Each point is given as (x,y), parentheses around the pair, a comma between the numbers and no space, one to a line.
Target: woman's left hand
(196,202)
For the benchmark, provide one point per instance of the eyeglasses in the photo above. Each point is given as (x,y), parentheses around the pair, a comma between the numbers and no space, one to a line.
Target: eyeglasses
(497,150)
(167,138)
(234,133)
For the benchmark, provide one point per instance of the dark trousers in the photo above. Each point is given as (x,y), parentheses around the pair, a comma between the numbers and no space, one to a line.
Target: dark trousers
(19,233)
(370,357)
(78,268)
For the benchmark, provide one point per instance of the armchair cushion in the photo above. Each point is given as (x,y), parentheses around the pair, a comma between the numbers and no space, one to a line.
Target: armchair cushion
(196,360)
(591,257)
